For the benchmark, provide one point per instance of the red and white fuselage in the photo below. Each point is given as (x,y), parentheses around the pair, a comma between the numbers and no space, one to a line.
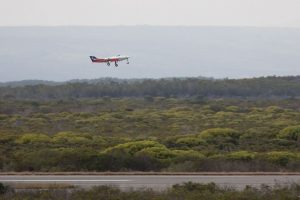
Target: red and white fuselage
(108,60)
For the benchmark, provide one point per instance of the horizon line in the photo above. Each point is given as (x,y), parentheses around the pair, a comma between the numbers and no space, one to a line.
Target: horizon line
(148,25)
(158,78)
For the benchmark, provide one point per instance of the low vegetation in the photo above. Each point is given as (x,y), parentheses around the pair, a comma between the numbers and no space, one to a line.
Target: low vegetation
(173,125)
(186,191)
(150,134)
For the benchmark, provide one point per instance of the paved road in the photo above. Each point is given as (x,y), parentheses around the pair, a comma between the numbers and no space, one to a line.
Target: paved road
(153,181)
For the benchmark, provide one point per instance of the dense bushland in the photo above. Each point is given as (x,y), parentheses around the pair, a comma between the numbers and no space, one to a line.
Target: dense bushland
(150,134)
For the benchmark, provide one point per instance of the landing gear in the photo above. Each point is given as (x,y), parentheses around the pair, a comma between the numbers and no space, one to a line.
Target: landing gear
(127,61)
(108,63)
(116,64)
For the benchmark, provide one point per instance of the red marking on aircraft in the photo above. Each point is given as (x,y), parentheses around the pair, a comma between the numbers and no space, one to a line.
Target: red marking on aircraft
(108,60)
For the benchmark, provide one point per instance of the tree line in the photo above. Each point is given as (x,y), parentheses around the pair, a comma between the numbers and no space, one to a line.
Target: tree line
(263,87)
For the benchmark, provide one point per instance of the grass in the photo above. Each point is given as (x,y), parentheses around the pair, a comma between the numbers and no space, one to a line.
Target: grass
(186,191)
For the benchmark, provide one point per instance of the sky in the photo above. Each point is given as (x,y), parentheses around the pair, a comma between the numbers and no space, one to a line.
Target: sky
(278,13)
(212,38)
(62,53)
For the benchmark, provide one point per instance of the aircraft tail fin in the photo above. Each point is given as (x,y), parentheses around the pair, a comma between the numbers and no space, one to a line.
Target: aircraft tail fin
(93,58)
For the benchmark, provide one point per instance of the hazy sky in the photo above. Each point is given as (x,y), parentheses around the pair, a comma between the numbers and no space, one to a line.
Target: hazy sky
(62,53)
(150,12)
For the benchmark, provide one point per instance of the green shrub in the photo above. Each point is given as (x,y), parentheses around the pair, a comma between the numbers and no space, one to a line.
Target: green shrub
(219,132)
(190,141)
(281,158)
(232,108)
(33,138)
(71,138)
(134,147)
(241,155)
(224,139)
(290,133)
(161,153)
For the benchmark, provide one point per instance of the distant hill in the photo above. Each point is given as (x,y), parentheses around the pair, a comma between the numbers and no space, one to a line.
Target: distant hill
(89,81)
(27,82)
